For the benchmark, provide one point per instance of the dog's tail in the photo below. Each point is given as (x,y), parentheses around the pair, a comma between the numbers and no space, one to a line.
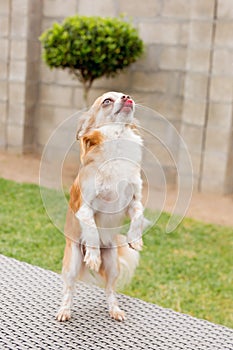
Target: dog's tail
(128,261)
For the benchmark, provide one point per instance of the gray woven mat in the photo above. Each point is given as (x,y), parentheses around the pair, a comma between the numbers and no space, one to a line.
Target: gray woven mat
(30,297)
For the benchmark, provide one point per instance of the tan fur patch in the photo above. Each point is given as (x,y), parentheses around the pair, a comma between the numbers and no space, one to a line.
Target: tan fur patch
(89,141)
(75,196)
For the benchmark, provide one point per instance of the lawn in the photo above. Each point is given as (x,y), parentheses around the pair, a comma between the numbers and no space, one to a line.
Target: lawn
(189,270)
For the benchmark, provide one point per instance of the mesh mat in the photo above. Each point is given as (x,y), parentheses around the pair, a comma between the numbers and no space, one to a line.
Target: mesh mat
(30,297)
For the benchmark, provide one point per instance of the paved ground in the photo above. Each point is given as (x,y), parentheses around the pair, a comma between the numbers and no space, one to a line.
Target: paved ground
(205,207)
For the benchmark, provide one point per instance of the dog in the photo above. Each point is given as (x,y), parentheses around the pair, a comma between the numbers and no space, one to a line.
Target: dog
(107,190)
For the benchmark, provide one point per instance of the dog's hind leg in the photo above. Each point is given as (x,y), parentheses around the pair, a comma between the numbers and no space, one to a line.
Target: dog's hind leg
(110,271)
(72,264)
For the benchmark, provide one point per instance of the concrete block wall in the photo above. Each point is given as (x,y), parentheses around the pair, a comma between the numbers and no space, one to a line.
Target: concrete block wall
(185,74)
(208,95)
(19,59)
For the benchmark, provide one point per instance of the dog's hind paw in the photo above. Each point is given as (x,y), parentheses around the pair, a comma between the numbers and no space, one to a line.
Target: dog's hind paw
(92,259)
(117,313)
(136,245)
(64,314)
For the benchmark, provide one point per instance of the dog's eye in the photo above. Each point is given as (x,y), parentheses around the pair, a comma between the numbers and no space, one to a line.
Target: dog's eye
(107,101)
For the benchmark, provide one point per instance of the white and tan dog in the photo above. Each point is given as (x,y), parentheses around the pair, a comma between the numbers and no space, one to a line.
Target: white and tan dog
(106,190)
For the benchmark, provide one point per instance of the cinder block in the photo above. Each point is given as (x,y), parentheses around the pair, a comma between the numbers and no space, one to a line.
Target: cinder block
(3,90)
(97,8)
(198,60)
(20,7)
(200,34)
(33,71)
(173,58)
(223,36)
(54,115)
(194,112)
(32,90)
(150,59)
(184,33)
(34,51)
(196,86)
(217,139)
(175,84)
(157,82)
(47,23)
(4,49)
(19,26)
(228,178)
(42,134)
(16,114)
(63,115)
(138,8)
(214,163)
(18,49)
(2,136)
(159,32)
(174,109)
(3,70)
(34,28)
(120,82)
(184,165)
(202,9)
(4,26)
(5,7)
(55,95)
(176,9)
(78,101)
(59,8)
(223,62)
(18,70)
(225,9)
(44,113)
(63,77)
(15,134)
(47,75)
(17,92)
(220,115)
(3,112)
(221,89)
(192,136)
(213,184)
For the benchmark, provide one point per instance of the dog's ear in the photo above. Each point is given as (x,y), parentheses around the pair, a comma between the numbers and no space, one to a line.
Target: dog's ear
(90,140)
(85,122)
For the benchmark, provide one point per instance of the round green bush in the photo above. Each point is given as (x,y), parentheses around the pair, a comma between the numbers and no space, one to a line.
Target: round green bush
(91,47)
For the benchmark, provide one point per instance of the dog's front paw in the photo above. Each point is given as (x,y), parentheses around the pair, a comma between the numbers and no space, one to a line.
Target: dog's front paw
(117,313)
(136,245)
(64,314)
(92,258)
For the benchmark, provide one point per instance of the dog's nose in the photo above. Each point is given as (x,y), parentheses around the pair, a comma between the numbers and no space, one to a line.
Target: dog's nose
(124,97)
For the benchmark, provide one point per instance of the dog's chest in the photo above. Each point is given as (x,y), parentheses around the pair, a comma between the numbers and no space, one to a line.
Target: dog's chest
(119,173)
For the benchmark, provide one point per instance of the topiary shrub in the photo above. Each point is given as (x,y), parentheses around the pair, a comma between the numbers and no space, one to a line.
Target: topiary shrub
(91,47)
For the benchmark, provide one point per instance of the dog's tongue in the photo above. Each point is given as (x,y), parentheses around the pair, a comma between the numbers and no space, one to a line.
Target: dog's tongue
(128,103)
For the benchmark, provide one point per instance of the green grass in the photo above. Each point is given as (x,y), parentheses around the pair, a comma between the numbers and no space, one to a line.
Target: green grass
(189,270)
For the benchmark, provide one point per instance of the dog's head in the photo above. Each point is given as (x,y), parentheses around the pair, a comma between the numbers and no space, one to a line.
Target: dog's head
(111,107)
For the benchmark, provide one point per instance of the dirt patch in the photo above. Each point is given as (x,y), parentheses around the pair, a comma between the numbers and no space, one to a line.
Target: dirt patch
(206,207)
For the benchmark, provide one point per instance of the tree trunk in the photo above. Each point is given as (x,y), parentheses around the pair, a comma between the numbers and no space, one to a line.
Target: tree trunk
(85,96)
(86,89)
